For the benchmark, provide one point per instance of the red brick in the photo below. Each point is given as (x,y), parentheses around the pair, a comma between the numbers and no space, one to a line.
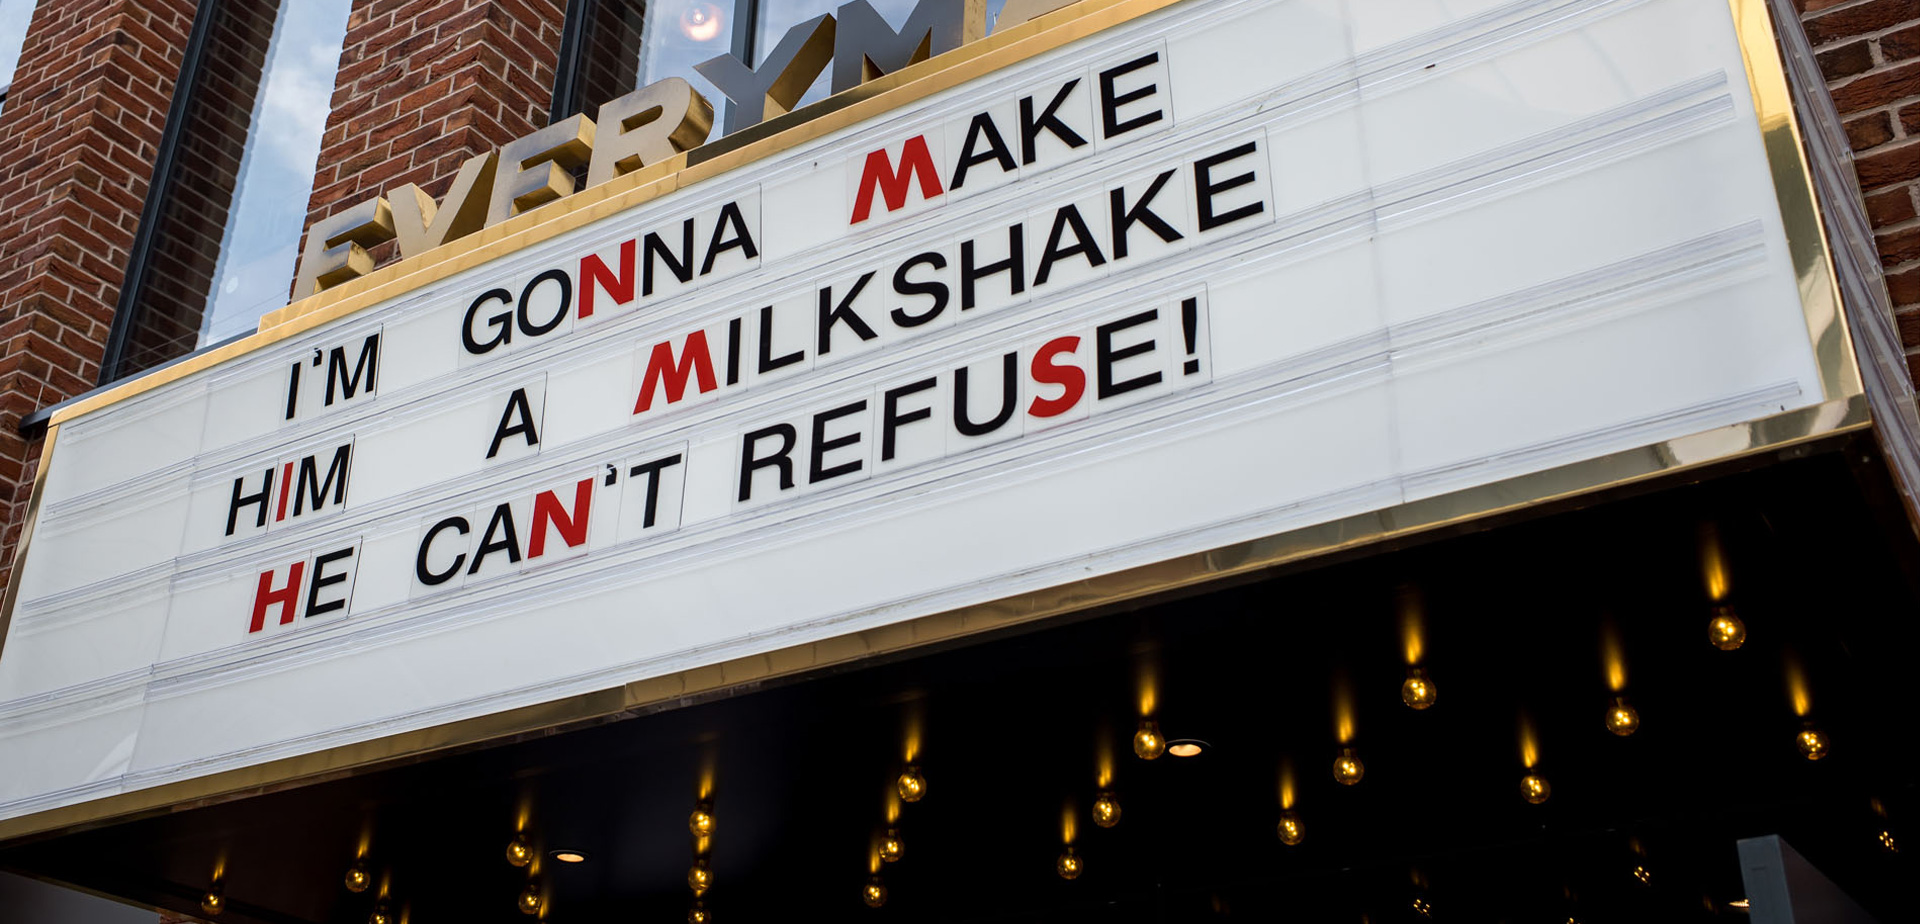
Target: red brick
(1878,88)
(1846,61)
(1858,19)
(1904,287)
(1870,131)
(1901,44)
(1891,164)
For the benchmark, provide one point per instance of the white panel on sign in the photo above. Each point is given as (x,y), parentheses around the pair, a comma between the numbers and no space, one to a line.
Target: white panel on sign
(1211,274)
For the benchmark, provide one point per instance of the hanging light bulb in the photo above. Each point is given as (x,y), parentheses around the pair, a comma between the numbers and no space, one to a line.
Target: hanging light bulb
(1147,743)
(891,847)
(700,823)
(1347,768)
(519,852)
(1534,788)
(380,915)
(1069,866)
(1812,742)
(1622,718)
(1292,832)
(529,902)
(700,877)
(875,894)
(1641,875)
(1887,842)
(1418,691)
(912,785)
(1422,907)
(1106,809)
(1725,630)
(698,914)
(215,901)
(358,878)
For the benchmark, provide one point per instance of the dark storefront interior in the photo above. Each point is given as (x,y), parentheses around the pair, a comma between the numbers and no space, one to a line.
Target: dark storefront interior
(1515,617)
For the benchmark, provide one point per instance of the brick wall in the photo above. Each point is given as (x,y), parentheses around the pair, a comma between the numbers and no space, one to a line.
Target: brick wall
(426,84)
(80,129)
(1869,51)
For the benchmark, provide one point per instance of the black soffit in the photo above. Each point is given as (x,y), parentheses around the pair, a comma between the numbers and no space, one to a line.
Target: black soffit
(1012,729)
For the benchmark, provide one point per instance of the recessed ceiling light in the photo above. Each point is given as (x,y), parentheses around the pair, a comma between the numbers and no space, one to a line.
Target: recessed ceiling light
(1186,747)
(570,856)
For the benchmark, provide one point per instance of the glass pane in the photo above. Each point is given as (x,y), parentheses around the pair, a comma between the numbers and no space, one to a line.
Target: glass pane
(14,18)
(625,48)
(236,200)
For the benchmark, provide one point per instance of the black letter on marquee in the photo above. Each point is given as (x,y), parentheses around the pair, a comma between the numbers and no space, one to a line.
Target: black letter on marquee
(1110,124)
(1141,212)
(1014,266)
(1107,356)
(981,127)
(749,463)
(233,506)
(508,540)
(905,286)
(817,470)
(429,578)
(681,267)
(652,471)
(1009,395)
(768,361)
(1204,188)
(1030,127)
(891,420)
(1067,216)
(566,302)
(517,406)
(503,321)
(368,365)
(831,314)
(310,490)
(729,218)
(322,579)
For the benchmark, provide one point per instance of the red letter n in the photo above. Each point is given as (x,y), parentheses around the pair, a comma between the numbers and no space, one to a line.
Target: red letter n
(893,184)
(572,526)
(285,598)
(661,368)
(594,272)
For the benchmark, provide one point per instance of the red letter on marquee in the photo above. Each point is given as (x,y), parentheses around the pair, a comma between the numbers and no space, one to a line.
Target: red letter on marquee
(893,184)
(662,369)
(594,272)
(572,526)
(285,598)
(1071,379)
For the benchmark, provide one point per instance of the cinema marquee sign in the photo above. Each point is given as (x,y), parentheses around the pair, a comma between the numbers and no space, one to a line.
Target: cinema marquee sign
(1217,272)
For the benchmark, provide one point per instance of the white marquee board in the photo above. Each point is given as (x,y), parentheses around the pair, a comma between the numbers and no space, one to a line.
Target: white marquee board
(1309,258)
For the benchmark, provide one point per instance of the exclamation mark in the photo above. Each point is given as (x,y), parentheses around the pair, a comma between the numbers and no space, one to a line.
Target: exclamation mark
(1190,329)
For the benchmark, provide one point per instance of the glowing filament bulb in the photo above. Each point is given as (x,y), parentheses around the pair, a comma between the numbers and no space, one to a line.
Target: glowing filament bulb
(358,878)
(213,902)
(698,914)
(911,785)
(1418,691)
(701,821)
(1534,788)
(1725,630)
(1069,866)
(1622,719)
(1641,875)
(1147,743)
(1292,831)
(1347,768)
(1106,810)
(891,847)
(700,877)
(529,902)
(380,915)
(1812,742)
(519,852)
(875,894)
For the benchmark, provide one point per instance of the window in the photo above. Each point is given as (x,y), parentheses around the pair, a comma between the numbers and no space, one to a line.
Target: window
(219,235)
(621,45)
(14,18)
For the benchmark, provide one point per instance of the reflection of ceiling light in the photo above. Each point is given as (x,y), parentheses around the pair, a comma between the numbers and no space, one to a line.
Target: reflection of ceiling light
(701,22)
(570,856)
(1186,747)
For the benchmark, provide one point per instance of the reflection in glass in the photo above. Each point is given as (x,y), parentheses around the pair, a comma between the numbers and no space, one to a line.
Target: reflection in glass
(235,200)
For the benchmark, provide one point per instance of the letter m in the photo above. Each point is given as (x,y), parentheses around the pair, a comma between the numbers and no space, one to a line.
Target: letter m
(349,384)
(664,371)
(879,173)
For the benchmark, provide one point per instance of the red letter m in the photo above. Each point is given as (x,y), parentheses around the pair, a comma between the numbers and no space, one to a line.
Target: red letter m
(893,184)
(661,368)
